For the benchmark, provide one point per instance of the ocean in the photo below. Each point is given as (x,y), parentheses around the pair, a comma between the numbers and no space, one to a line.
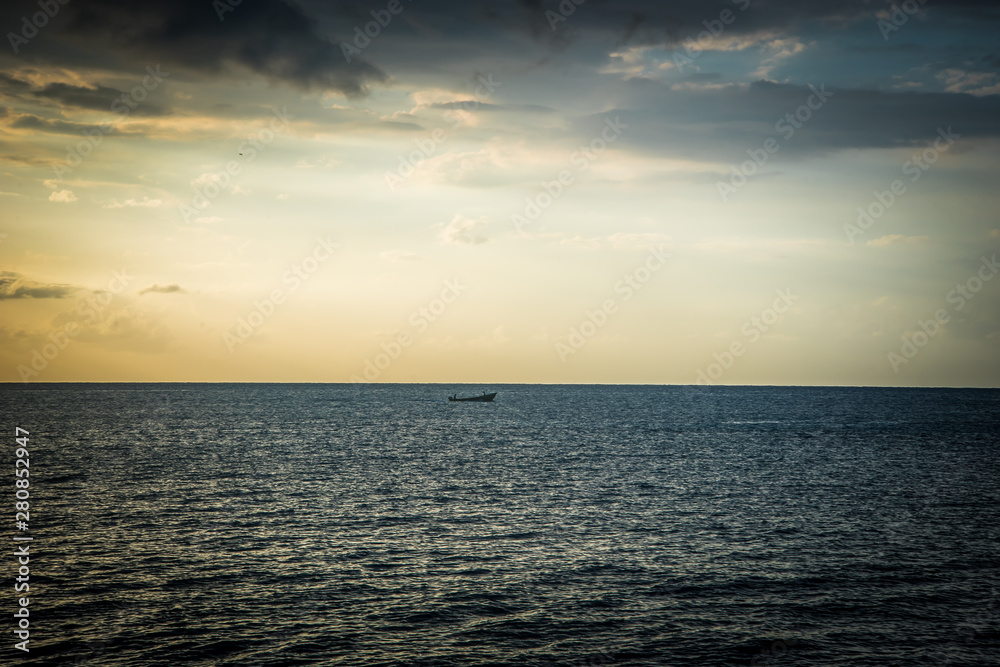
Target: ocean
(310,524)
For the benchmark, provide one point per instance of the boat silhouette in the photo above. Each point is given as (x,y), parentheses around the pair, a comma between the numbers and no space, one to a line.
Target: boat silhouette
(485,398)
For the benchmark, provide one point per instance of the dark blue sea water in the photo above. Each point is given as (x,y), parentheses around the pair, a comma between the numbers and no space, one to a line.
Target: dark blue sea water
(561,525)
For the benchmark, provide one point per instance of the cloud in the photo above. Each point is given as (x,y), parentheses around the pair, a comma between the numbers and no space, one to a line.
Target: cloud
(15,286)
(130,203)
(205,178)
(65,196)
(30,121)
(672,23)
(973,83)
(94,97)
(895,239)
(466,105)
(271,38)
(464,231)
(123,327)
(497,163)
(13,86)
(783,49)
(172,288)
(721,124)
(84,97)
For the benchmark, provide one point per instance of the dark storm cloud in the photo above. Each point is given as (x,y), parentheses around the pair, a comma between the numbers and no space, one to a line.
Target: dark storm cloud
(271,38)
(433,43)
(876,119)
(720,124)
(15,286)
(12,86)
(300,43)
(868,118)
(649,22)
(98,97)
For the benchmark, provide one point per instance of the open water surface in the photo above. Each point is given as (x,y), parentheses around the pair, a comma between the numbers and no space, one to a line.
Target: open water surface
(272,524)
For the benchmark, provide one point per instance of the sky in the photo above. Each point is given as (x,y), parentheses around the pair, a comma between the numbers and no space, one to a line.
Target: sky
(738,192)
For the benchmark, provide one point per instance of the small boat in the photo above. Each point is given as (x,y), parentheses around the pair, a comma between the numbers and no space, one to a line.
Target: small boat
(485,398)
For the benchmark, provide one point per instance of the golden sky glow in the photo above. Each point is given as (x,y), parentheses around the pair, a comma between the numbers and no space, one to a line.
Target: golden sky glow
(507,199)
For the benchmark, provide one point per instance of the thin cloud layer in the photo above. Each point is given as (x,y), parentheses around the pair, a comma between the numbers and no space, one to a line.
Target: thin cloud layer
(15,286)
(172,288)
